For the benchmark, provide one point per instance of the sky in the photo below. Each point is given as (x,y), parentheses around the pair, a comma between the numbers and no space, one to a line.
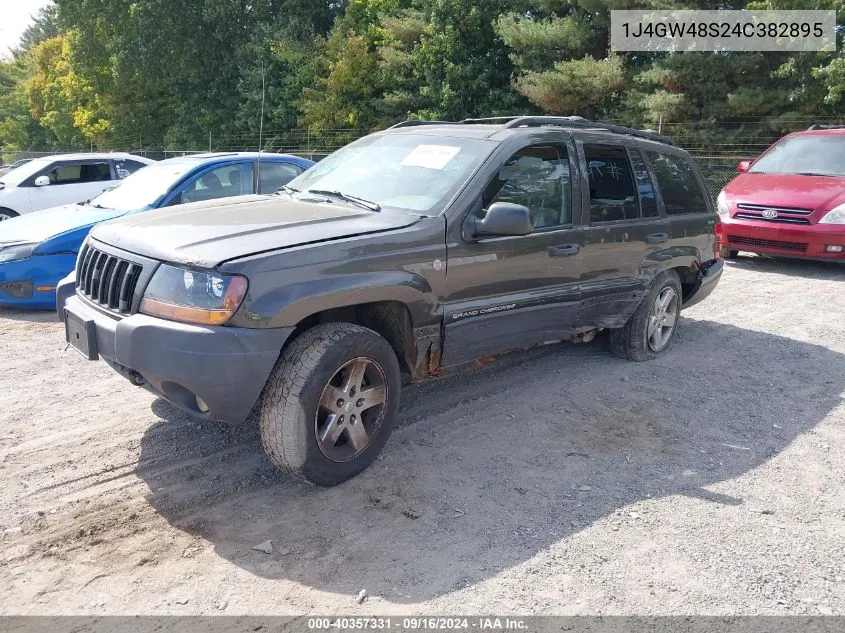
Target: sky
(15,16)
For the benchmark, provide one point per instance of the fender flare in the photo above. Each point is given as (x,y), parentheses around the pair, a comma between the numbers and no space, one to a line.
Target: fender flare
(289,304)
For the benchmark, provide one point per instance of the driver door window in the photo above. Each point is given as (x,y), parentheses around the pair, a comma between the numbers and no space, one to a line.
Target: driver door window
(65,174)
(223,182)
(538,178)
(71,182)
(71,174)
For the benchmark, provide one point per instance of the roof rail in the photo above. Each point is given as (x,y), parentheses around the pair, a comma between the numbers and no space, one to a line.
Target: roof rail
(416,123)
(490,120)
(508,122)
(819,126)
(579,122)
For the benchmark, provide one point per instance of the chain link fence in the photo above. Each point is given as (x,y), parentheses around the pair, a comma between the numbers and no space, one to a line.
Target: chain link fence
(306,142)
(718,171)
(716,152)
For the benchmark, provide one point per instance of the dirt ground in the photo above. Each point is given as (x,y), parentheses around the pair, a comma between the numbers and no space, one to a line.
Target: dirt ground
(558,481)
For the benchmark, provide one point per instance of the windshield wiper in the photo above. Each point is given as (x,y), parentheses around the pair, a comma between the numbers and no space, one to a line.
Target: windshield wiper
(287,189)
(813,173)
(361,202)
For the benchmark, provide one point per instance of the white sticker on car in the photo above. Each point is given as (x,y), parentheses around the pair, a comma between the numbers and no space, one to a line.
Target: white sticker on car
(430,156)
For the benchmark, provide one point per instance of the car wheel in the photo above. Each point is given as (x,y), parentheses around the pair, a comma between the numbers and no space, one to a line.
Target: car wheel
(330,403)
(650,330)
(728,253)
(7,214)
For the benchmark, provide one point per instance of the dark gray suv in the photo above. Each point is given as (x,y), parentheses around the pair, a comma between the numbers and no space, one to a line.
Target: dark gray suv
(415,251)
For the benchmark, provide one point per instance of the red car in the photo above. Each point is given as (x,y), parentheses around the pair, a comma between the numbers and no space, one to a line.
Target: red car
(790,201)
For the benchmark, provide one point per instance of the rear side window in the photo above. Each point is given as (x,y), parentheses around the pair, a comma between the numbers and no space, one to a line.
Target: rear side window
(678,185)
(95,172)
(274,176)
(125,167)
(613,195)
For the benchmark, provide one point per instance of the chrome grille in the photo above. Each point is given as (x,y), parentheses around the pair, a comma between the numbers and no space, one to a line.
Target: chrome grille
(107,280)
(763,207)
(781,218)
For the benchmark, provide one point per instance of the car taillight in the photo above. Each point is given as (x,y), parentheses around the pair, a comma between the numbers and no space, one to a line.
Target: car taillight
(720,236)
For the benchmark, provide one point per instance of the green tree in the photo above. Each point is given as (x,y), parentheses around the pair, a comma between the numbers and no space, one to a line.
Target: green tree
(390,59)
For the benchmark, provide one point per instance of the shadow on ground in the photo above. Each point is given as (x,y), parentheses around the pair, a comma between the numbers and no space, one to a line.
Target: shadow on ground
(804,268)
(32,316)
(486,470)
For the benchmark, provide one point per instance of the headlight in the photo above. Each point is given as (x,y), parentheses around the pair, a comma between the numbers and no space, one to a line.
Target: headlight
(193,297)
(834,216)
(15,252)
(722,205)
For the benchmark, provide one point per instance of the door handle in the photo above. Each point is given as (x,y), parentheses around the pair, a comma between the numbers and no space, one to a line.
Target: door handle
(657,238)
(563,250)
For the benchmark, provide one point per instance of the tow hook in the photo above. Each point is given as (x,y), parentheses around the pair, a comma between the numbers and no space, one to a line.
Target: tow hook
(136,378)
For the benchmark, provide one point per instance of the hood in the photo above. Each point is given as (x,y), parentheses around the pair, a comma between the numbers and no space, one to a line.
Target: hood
(205,234)
(42,225)
(787,190)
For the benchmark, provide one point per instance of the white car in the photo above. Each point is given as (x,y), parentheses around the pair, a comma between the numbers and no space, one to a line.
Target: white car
(63,179)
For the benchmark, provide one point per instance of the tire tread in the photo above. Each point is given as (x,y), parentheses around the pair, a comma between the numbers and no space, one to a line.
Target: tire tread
(284,431)
(629,342)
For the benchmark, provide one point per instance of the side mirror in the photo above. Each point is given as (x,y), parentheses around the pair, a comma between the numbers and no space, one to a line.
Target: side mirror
(42,181)
(743,166)
(501,218)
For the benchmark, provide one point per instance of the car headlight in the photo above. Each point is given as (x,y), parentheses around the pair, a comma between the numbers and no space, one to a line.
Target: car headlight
(189,296)
(722,205)
(834,216)
(16,251)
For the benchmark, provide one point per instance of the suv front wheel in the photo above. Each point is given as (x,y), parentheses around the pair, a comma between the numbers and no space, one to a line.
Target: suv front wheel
(330,403)
(650,330)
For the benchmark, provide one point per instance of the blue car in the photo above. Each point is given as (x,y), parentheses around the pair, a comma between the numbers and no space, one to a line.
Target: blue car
(40,248)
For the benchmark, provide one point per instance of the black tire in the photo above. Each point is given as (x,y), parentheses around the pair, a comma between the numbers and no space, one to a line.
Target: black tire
(290,406)
(631,342)
(728,253)
(7,214)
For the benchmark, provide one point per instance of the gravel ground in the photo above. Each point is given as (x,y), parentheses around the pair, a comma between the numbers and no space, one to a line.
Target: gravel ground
(557,481)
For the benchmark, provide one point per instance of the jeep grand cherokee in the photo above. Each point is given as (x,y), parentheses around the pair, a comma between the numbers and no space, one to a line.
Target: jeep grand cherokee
(416,250)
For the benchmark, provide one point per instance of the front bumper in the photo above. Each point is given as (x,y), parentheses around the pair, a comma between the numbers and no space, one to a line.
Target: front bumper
(709,275)
(770,238)
(31,282)
(225,367)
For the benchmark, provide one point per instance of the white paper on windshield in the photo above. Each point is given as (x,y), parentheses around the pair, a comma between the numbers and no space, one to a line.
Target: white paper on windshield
(430,156)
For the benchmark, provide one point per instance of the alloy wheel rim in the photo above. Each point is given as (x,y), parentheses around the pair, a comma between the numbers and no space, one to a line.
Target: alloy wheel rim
(351,409)
(662,319)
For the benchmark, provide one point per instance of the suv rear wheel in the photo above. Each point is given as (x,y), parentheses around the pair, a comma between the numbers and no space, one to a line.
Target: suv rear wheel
(330,403)
(650,330)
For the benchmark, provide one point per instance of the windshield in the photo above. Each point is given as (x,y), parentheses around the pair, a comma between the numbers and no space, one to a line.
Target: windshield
(143,188)
(823,155)
(412,172)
